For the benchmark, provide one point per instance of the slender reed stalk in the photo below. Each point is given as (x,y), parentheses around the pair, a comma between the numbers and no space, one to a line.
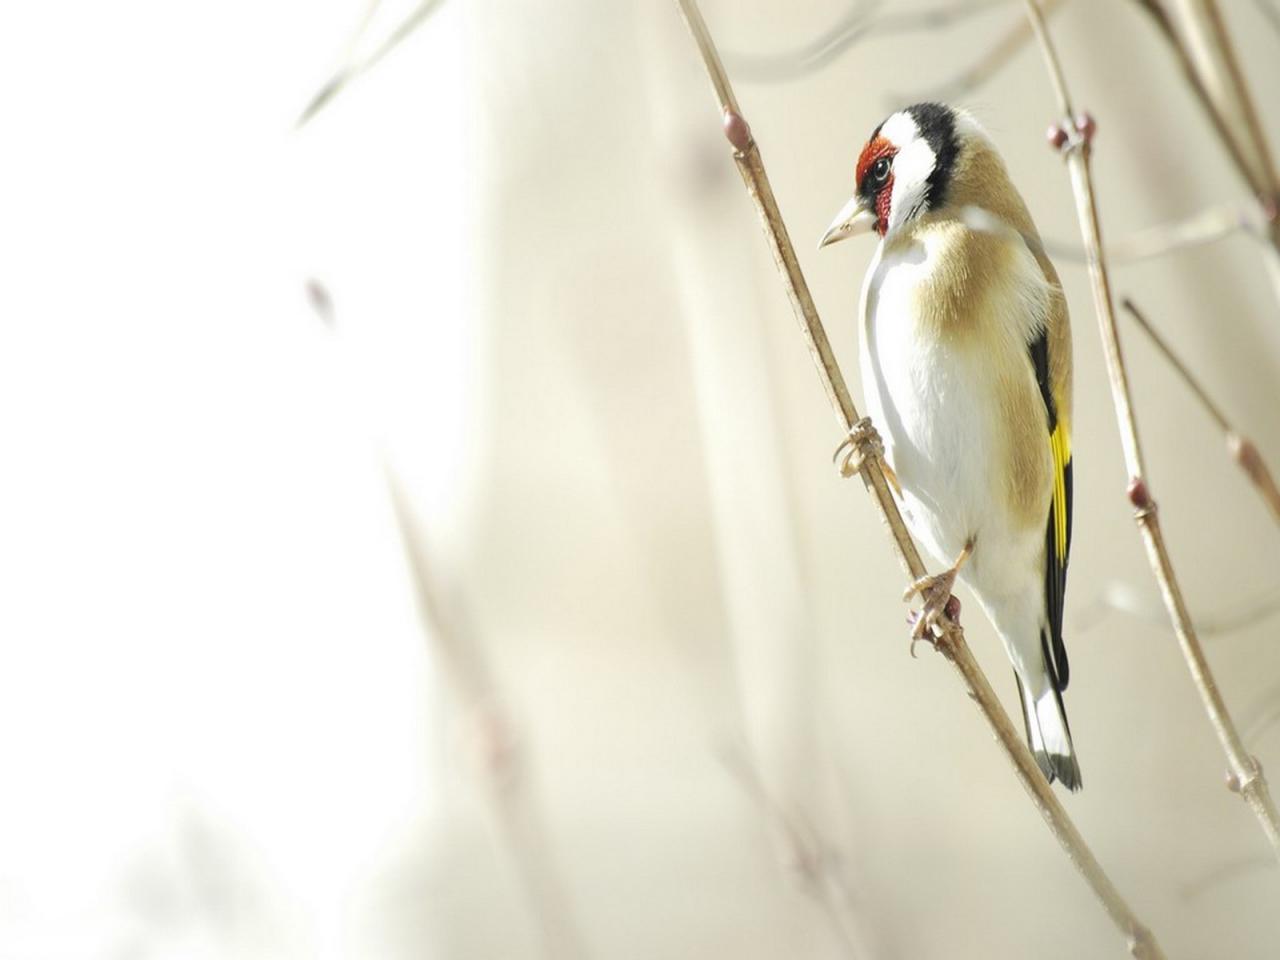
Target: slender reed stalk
(1191,73)
(1269,11)
(867,19)
(515,808)
(1256,138)
(1200,229)
(1242,450)
(815,860)
(1245,775)
(986,66)
(949,639)
(1218,83)
(1118,597)
(352,68)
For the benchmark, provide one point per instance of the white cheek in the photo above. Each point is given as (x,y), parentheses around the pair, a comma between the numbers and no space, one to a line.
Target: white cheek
(911,169)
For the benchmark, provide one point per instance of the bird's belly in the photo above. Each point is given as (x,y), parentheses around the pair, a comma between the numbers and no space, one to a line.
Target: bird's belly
(934,440)
(933,406)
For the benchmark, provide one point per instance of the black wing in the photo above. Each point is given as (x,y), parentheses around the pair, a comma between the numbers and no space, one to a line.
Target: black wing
(1058,532)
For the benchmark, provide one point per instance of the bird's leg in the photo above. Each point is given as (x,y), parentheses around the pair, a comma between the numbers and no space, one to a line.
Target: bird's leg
(935,591)
(862,442)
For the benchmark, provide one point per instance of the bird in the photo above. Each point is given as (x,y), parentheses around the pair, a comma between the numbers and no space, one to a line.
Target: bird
(965,358)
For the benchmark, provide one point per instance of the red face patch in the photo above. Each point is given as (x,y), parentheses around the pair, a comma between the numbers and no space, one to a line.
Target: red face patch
(878,148)
(883,199)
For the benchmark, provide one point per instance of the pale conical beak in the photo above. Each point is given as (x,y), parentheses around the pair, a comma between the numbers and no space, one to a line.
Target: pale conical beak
(853,219)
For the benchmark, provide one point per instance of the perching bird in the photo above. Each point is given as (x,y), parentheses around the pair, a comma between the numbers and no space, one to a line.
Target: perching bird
(966,366)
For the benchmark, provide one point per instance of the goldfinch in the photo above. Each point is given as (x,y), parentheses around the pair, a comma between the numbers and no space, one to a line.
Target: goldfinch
(966,366)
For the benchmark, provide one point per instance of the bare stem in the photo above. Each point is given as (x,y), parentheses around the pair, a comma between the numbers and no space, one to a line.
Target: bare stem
(1175,361)
(1200,229)
(1241,448)
(1160,16)
(1244,101)
(350,68)
(985,67)
(862,21)
(815,860)
(504,768)
(1122,598)
(465,667)
(950,639)
(1255,168)
(1269,11)
(1245,774)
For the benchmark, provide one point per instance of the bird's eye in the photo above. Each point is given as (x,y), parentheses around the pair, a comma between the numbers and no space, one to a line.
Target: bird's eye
(880,172)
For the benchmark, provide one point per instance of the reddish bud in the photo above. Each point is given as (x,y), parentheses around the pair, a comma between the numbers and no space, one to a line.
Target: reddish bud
(1246,454)
(1233,782)
(736,130)
(1087,126)
(492,745)
(1056,136)
(320,301)
(952,609)
(1139,496)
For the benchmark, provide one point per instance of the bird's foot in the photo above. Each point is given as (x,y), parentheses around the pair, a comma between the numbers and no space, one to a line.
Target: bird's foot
(935,591)
(938,601)
(862,443)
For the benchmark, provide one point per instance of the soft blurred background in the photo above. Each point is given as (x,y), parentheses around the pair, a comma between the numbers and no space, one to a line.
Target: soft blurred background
(504,302)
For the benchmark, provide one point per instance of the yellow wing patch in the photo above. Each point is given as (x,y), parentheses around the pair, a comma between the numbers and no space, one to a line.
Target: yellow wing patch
(1060,444)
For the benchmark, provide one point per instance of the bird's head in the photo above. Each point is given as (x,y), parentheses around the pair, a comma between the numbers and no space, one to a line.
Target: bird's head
(903,172)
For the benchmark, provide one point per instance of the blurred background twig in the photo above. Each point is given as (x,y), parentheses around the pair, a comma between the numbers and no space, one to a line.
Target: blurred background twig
(1241,449)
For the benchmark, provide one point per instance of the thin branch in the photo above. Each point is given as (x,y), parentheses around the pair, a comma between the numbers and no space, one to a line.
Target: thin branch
(1123,598)
(350,69)
(1227,872)
(1269,11)
(815,860)
(949,637)
(1263,713)
(1160,17)
(1199,229)
(497,746)
(1245,772)
(468,673)
(1214,411)
(862,21)
(1241,448)
(1244,102)
(1216,223)
(1257,171)
(985,67)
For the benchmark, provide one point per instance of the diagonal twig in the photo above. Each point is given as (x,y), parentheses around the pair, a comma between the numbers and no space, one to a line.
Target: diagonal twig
(1245,775)
(351,69)
(815,860)
(862,21)
(1269,11)
(991,62)
(949,639)
(1120,597)
(1235,149)
(1254,133)
(1219,86)
(504,768)
(1200,229)
(1241,449)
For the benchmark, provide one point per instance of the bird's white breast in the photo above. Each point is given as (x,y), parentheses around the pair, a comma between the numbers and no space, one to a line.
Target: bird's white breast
(934,397)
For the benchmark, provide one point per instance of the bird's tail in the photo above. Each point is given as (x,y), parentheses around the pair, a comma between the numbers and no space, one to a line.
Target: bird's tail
(1048,734)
